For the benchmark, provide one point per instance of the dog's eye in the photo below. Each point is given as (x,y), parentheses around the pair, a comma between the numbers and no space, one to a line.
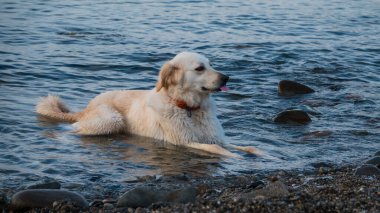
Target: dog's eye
(200,68)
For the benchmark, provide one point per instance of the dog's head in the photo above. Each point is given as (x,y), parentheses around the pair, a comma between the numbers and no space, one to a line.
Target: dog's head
(191,72)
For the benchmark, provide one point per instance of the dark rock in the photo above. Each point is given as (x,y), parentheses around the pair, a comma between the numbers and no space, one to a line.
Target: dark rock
(273,189)
(308,109)
(297,116)
(256,184)
(377,153)
(186,195)
(289,88)
(46,183)
(140,197)
(40,198)
(145,196)
(374,161)
(367,170)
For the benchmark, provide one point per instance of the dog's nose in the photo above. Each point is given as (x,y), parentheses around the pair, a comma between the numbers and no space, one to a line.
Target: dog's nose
(224,78)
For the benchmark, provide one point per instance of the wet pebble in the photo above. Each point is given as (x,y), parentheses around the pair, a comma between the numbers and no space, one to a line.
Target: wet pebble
(273,189)
(108,206)
(297,116)
(324,170)
(367,170)
(145,196)
(289,88)
(140,196)
(40,198)
(185,195)
(374,161)
(65,206)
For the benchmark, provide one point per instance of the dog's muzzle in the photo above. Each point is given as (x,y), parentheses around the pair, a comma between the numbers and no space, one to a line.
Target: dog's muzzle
(223,79)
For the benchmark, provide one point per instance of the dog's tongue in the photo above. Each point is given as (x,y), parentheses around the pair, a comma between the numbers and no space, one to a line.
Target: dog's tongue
(224,88)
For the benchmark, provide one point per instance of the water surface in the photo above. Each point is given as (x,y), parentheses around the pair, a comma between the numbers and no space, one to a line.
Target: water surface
(78,49)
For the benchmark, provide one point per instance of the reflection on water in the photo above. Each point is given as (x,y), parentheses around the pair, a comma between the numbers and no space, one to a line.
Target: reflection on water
(164,158)
(157,157)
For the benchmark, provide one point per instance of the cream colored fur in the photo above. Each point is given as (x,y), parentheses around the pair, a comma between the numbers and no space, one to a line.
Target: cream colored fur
(153,113)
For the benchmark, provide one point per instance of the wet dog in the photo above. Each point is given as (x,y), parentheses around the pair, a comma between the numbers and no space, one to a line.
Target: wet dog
(179,110)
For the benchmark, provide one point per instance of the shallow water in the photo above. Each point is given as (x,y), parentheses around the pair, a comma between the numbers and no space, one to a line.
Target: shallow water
(78,49)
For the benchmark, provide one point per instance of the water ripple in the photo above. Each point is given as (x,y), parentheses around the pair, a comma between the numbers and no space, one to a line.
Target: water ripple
(80,49)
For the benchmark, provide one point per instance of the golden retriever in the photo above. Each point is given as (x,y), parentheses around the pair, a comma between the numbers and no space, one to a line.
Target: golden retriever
(179,110)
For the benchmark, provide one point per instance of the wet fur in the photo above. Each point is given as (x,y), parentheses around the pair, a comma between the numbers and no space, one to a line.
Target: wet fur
(152,113)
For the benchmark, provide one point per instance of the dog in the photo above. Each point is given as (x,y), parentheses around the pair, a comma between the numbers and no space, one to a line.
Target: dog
(179,110)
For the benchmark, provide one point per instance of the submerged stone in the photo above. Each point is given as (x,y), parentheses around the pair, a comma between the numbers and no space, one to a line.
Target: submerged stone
(289,88)
(41,198)
(297,116)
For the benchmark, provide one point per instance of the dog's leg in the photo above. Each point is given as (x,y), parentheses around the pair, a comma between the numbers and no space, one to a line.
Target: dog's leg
(213,148)
(247,149)
(102,120)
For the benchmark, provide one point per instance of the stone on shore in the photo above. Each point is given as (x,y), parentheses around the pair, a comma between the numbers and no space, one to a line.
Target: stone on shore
(296,115)
(289,88)
(273,189)
(367,170)
(41,198)
(145,196)
(185,195)
(374,161)
(139,197)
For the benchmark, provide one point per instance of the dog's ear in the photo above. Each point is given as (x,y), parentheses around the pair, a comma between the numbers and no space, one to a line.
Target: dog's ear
(168,76)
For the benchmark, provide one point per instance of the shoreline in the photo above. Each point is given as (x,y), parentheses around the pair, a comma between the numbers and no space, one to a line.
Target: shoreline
(327,188)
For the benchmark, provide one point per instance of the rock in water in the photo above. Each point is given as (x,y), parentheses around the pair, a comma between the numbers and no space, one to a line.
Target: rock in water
(289,88)
(367,170)
(297,116)
(374,161)
(40,198)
